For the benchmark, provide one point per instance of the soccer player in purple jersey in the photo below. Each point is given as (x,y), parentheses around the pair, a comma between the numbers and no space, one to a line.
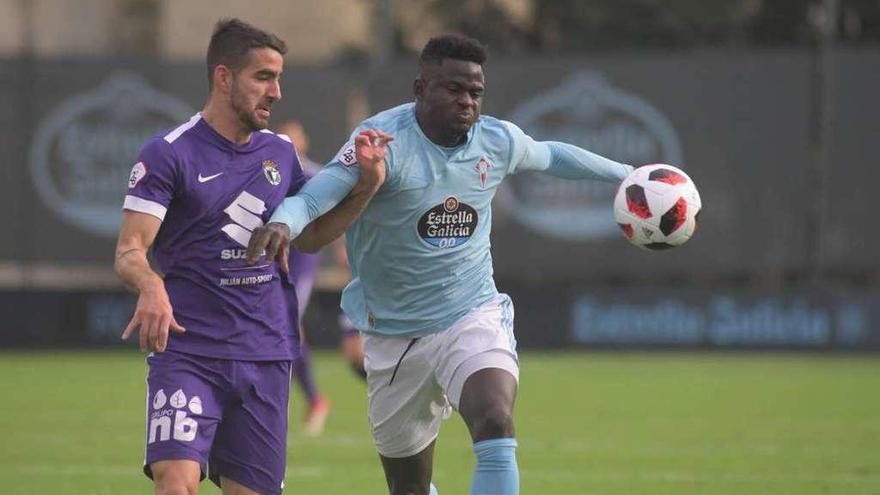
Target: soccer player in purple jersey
(218,386)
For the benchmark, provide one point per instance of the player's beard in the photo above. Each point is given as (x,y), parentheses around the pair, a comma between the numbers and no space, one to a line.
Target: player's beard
(246,114)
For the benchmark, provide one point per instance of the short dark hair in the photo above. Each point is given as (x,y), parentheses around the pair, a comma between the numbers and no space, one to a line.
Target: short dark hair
(231,42)
(455,46)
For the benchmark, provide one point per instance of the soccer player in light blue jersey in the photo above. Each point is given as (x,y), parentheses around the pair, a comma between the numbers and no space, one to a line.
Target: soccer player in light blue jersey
(438,334)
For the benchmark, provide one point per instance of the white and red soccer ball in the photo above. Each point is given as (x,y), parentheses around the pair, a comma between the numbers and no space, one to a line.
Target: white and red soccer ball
(657,206)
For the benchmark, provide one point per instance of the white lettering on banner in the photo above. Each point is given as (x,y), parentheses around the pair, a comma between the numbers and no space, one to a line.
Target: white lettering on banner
(720,320)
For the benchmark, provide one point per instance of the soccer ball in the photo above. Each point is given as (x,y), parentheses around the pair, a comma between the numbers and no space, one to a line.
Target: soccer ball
(657,207)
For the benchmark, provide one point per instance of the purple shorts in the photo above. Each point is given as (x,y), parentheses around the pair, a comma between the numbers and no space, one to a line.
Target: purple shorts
(229,416)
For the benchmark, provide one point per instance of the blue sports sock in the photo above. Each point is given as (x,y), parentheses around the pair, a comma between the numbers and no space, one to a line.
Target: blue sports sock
(496,472)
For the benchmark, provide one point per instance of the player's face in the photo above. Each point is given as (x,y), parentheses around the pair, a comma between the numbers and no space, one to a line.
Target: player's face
(256,87)
(449,97)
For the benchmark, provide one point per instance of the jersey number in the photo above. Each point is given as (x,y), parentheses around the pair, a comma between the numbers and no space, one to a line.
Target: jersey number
(245,211)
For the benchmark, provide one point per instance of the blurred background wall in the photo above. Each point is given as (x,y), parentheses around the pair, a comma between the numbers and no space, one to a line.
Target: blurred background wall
(769,106)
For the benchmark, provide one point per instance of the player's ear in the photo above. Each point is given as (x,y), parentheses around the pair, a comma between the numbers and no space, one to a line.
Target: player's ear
(418,87)
(222,78)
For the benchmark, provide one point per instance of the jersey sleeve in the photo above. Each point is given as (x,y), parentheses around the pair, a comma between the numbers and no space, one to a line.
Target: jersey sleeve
(153,178)
(327,188)
(300,176)
(322,192)
(562,160)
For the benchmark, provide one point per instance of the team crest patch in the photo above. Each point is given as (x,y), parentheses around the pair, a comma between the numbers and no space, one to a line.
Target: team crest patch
(347,156)
(138,172)
(449,224)
(270,170)
(482,167)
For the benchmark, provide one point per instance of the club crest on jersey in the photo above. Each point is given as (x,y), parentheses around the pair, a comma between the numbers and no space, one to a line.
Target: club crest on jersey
(270,170)
(138,172)
(482,167)
(449,224)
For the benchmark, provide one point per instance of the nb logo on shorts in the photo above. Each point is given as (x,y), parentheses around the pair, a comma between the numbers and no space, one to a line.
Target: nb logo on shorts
(167,421)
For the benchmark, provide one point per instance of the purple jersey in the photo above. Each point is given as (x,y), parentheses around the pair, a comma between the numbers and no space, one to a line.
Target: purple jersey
(210,194)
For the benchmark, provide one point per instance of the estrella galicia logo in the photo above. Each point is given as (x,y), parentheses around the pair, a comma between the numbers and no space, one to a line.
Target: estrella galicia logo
(588,111)
(449,224)
(81,153)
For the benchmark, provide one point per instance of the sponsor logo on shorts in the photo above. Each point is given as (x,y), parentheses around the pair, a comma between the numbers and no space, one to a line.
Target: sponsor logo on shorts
(449,224)
(173,421)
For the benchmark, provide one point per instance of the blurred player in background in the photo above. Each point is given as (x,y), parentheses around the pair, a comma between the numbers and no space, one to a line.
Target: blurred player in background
(350,338)
(303,269)
(437,331)
(218,388)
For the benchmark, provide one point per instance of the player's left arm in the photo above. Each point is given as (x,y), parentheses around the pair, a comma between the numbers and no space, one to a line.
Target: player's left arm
(325,207)
(563,160)
(371,150)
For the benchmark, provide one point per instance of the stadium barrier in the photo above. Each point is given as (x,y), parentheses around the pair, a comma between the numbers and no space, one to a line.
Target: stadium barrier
(577,318)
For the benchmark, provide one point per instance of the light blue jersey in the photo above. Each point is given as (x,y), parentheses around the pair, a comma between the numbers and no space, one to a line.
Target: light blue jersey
(420,252)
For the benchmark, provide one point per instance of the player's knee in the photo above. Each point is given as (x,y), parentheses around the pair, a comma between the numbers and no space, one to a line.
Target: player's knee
(494,422)
(172,483)
(411,488)
(174,488)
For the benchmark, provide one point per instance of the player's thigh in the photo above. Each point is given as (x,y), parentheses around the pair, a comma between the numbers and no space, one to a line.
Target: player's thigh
(480,340)
(185,403)
(251,442)
(352,346)
(406,404)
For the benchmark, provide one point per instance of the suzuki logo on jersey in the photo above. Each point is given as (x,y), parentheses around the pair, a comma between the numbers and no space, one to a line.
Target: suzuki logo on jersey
(245,211)
(449,224)
(173,422)
(482,168)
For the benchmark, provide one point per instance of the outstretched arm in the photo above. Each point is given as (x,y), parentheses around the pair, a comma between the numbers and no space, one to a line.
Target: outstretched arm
(562,160)
(153,315)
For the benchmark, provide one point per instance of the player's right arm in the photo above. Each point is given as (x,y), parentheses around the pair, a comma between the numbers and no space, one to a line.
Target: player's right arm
(151,188)
(153,315)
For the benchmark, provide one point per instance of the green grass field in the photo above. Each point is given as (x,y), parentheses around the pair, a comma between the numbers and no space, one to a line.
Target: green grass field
(588,423)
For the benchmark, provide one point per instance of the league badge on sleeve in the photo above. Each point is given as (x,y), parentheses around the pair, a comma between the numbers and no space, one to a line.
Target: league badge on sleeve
(270,170)
(138,172)
(347,156)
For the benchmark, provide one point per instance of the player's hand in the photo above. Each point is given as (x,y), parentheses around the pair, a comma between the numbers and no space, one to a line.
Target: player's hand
(155,319)
(371,148)
(272,239)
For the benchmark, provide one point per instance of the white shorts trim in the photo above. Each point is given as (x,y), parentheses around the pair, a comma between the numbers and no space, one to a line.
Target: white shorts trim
(413,384)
